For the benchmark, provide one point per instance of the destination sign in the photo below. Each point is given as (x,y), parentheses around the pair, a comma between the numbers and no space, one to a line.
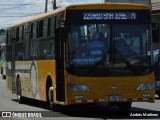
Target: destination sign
(109,16)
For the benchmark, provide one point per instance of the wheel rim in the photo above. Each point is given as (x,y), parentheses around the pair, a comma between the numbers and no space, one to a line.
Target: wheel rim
(18,90)
(50,96)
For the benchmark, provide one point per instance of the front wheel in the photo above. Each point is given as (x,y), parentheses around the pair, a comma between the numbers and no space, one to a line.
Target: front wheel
(4,76)
(52,105)
(126,106)
(159,94)
(50,97)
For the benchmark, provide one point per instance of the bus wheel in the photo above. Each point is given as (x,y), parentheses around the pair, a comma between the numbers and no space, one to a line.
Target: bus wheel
(4,76)
(50,97)
(125,106)
(1,70)
(50,100)
(159,94)
(19,93)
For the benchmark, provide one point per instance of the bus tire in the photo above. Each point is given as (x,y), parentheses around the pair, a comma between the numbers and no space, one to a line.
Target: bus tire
(125,106)
(158,94)
(52,105)
(20,99)
(4,76)
(50,97)
(1,70)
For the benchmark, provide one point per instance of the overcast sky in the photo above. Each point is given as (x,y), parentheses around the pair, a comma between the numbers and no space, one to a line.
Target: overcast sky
(15,10)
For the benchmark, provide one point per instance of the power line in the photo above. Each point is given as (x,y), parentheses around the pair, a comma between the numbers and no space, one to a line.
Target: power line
(13,13)
(15,16)
(22,4)
(9,20)
(22,15)
(17,6)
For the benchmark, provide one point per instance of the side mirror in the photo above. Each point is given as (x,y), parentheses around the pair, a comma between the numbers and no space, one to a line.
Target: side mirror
(62,33)
(155,33)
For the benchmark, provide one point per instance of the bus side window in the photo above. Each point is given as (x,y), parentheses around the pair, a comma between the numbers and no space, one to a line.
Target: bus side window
(40,28)
(42,50)
(7,37)
(34,30)
(17,34)
(33,50)
(51,28)
(20,51)
(20,56)
(51,52)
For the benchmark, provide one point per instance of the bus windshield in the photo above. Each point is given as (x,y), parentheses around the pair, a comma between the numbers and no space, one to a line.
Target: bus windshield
(108,50)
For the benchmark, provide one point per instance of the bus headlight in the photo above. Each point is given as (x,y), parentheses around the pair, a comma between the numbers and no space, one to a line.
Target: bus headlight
(145,86)
(78,88)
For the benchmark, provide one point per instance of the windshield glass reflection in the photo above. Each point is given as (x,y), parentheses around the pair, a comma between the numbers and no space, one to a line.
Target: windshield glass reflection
(108,50)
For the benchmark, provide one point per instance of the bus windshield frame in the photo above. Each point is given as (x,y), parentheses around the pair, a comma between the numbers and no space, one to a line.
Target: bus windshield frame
(109,59)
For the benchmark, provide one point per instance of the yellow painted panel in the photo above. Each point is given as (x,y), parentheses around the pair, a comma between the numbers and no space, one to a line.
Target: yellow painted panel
(101,87)
(26,87)
(9,83)
(44,69)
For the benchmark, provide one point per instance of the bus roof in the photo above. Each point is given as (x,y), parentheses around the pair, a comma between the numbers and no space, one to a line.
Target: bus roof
(38,17)
(109,5)
(99,6)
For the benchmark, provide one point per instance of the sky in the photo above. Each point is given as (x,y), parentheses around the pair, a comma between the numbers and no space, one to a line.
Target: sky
(12,11)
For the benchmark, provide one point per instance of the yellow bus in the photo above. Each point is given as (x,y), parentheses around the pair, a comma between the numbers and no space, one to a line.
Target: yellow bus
(82,54)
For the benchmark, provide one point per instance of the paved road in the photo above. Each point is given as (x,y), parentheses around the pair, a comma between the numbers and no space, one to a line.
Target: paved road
(8,102)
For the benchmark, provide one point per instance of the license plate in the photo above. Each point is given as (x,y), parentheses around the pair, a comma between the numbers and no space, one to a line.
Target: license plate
(114,98)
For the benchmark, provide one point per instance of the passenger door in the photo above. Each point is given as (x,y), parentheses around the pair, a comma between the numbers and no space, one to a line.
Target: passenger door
(59,50)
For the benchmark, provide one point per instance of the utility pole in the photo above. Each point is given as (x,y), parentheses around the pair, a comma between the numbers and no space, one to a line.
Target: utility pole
(46,6)
(54,4)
